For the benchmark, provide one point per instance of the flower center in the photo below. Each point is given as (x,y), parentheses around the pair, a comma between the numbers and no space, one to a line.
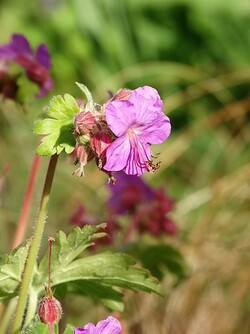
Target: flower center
(133,132)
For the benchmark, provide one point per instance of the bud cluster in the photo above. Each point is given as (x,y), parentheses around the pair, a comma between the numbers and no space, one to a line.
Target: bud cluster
(93,136)
(119,134)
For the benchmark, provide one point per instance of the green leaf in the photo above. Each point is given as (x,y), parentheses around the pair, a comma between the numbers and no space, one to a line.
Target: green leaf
(158,257)
(37,327)
(86,92)
(69,329)
(58,128)
(111,269)
(99,277)
(62,109)
(66,249)
(108,295)
(11,268)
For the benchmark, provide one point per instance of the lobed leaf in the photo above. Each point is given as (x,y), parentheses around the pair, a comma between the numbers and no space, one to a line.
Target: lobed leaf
(98,272)
(58,128)
(66,249)
(62,109)
(99,276)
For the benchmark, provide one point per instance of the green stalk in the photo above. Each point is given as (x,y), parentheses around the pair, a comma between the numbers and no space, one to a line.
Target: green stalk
(34,247)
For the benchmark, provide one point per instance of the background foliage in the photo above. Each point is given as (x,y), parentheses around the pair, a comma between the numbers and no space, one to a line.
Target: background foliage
(196,53)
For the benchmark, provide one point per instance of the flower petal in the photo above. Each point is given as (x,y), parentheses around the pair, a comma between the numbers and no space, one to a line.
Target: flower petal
(156,132)
(147,91)
(42,56)
(154,124)
(108,326)
(88,329)
(147,103)
(139,155)
(120,115)
(20,45)
(117,154)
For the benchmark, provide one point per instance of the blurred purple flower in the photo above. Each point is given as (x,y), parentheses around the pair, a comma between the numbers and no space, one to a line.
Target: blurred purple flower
(127,193)
(149,208)
(36,65)
(137,120)
(108,326)
(152,217)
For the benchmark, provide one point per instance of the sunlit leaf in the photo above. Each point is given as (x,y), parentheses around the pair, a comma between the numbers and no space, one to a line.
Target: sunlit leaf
(99,276)
(58,128)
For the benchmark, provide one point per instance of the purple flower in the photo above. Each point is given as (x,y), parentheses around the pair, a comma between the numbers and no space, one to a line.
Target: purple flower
(36,65)
(127,193)
(137,121)
(153,216)
(107,326)
(148,208)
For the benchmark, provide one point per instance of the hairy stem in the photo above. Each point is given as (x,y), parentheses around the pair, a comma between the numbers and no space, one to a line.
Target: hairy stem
(34,247)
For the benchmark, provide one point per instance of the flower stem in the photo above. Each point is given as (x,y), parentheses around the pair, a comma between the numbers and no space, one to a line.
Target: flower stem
(34,247)
(23,218)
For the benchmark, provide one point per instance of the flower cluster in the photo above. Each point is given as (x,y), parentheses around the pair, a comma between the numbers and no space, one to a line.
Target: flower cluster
(119,134)
(147,208)
(36,66)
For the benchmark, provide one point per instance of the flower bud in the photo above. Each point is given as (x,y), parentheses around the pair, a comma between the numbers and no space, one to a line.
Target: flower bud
(49,310)
(83,154)
(84,123)
(99,143)
(122,94)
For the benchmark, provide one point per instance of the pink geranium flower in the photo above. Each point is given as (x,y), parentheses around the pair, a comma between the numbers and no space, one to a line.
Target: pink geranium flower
(108,326)
(137,121)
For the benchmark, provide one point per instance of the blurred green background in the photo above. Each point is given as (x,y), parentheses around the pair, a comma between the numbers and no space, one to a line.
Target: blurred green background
(196,53)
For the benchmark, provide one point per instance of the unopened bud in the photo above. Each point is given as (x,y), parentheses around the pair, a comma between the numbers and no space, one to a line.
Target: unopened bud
(84,123)
(122,94)
(99,142)
(49,311)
